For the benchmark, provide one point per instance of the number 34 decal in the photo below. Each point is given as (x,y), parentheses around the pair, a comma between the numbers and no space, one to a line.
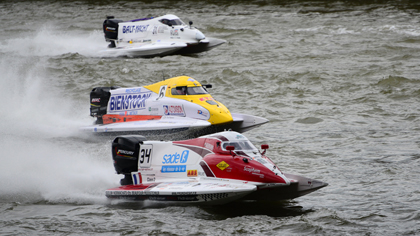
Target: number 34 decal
(145,156)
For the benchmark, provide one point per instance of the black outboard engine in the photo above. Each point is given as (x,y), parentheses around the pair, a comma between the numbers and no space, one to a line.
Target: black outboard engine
(99,98)
(110,27)
(125,153)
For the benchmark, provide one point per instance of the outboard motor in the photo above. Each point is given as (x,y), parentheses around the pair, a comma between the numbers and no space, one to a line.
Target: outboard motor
(110,27)
(99,98)
(125,153)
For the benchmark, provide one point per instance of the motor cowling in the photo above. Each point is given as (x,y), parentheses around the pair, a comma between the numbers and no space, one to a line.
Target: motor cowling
(110,27)
(125,153)
(99,98)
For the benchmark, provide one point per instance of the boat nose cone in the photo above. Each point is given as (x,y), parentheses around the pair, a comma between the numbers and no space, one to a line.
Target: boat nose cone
(318,184)
(281,179)
(286,180)
(199,36)
(220,116)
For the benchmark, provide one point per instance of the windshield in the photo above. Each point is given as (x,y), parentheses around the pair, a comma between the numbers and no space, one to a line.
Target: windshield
(196,90)
(172,22)
(239,145)
(188,90)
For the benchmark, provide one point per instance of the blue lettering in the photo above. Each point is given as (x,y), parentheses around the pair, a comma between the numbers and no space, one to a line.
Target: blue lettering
(184,156)
(118,102)
(127,102)
(111,104)
(176,158)
(133,90)
(134,29)
(132,113)
(123,102)
(177,168)
(133,104)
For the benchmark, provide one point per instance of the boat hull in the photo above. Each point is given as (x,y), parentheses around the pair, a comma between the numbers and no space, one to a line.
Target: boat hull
(299,186)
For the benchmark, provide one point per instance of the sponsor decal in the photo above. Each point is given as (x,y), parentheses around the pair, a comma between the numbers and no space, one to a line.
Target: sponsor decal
(192,173)
(176,158)
(151,179)
(173,110)
(132,112)
(133,90)
(124,152)
(126,192)
(153,109)
(174,32)
(127,102)
(187,198)
(203,113)
(134,29)
(239,136)
(184,193)
(145,169)
(157,198)
(172,169)
(96,99)
(206,98)
(253,171)
(222,165)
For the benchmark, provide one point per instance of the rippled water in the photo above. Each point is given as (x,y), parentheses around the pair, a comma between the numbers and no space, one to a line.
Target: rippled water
(338,80)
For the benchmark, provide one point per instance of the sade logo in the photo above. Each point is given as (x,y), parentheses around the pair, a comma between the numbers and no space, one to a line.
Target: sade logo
(176,158)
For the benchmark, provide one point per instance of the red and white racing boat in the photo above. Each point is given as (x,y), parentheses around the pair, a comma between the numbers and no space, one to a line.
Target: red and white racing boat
(212,169)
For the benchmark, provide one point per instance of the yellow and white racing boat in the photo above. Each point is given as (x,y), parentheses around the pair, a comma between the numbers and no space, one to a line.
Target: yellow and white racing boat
(175,104)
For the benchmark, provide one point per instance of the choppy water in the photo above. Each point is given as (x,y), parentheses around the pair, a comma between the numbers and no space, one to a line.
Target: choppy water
(338,80)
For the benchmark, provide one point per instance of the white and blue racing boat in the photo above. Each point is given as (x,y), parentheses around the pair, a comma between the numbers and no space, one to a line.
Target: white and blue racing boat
(154,36)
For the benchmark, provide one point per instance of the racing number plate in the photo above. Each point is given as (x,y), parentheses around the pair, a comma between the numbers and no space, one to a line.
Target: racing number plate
(145,155)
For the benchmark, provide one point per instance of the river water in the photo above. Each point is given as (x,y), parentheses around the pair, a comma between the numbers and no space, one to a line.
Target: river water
(338,80)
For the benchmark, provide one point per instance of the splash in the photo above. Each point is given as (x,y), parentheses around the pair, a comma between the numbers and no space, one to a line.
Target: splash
(49,40)
(43,156)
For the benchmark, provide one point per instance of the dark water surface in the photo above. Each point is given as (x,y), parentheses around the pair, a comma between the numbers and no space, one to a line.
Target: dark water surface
(338,80)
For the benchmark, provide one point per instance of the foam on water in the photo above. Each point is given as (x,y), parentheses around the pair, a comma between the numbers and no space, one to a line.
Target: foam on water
(50,40)
(37,162)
